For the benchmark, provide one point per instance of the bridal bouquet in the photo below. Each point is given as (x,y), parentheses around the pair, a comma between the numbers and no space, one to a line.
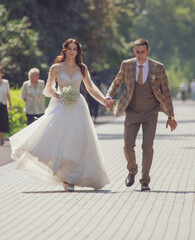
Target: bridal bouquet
(69,95)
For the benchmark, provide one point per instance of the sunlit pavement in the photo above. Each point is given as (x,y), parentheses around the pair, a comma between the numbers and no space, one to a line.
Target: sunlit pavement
(31,210)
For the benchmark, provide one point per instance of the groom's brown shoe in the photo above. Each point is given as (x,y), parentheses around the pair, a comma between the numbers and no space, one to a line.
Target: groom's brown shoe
(145,187)
(129,181)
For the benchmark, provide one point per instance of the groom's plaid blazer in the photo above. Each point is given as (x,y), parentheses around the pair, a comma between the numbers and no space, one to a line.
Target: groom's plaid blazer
(158,81)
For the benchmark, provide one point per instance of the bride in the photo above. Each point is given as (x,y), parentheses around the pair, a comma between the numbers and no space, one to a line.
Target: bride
(62,145)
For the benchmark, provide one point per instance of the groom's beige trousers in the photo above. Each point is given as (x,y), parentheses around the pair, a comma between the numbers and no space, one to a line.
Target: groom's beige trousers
(133,121)
(142,111)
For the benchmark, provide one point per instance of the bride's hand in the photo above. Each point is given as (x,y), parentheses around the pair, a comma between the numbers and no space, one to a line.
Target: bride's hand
(59,99)
(109,103)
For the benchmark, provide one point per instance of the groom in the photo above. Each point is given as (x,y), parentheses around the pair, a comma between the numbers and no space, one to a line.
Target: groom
(146,92)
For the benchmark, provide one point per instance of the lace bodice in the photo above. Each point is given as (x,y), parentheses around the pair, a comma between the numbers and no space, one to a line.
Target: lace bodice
(65,76)
(64,80)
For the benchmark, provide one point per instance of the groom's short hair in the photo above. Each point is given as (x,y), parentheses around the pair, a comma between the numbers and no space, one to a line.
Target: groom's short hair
(141,42)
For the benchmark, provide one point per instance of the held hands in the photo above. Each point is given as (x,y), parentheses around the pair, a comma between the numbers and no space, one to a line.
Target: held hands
(172,123)
(109,103)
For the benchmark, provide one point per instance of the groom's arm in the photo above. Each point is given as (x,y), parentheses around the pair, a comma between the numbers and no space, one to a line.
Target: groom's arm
(166,92)
(116,84)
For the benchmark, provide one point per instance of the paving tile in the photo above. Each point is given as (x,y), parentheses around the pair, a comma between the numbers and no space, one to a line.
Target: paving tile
(31,210)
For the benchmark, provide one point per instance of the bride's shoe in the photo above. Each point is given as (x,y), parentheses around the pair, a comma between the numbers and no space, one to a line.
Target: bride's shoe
(65,185)
(68,187)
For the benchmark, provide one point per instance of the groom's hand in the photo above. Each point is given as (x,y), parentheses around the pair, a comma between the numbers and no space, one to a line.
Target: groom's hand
(109,103)
(172,123)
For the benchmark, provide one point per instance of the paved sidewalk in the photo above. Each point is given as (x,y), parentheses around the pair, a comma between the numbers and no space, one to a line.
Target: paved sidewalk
(30,210)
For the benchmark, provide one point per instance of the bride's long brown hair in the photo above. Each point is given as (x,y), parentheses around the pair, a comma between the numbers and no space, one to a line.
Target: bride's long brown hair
(78,59)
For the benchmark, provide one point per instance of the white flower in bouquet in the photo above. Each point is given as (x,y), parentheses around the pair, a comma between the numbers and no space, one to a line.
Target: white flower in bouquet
(69,95)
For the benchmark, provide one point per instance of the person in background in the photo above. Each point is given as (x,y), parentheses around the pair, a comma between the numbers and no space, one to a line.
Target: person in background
(32,94)
(192,89)
(4,97)
(110,80)
(104,91)
(183,89)
(93,104)
(83,90)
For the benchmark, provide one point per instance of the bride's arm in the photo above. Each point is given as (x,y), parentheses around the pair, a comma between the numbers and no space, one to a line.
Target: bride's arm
(92,89)
(50,88)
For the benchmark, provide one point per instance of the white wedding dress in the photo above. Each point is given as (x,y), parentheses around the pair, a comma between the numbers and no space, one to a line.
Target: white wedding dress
(62,145)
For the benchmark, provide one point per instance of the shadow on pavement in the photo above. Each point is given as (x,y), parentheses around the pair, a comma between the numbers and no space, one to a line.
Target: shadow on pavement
(179,122)
(139,136)
(76,191)
(174,192)
(110,136)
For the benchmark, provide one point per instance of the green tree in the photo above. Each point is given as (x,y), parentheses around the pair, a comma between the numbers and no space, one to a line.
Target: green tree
(170,28)
(106,29)
(18,47)
(95,23)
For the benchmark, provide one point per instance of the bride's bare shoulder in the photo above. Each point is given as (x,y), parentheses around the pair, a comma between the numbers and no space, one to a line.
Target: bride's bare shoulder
(55,67)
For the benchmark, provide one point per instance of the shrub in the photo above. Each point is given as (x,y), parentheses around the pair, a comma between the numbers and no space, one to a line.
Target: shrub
(17,117)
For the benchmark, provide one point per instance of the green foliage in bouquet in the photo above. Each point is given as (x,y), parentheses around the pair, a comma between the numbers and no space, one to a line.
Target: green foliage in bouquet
(69,95)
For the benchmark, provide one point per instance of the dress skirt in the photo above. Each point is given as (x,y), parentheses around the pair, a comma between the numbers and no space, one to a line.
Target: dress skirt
(62,145)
